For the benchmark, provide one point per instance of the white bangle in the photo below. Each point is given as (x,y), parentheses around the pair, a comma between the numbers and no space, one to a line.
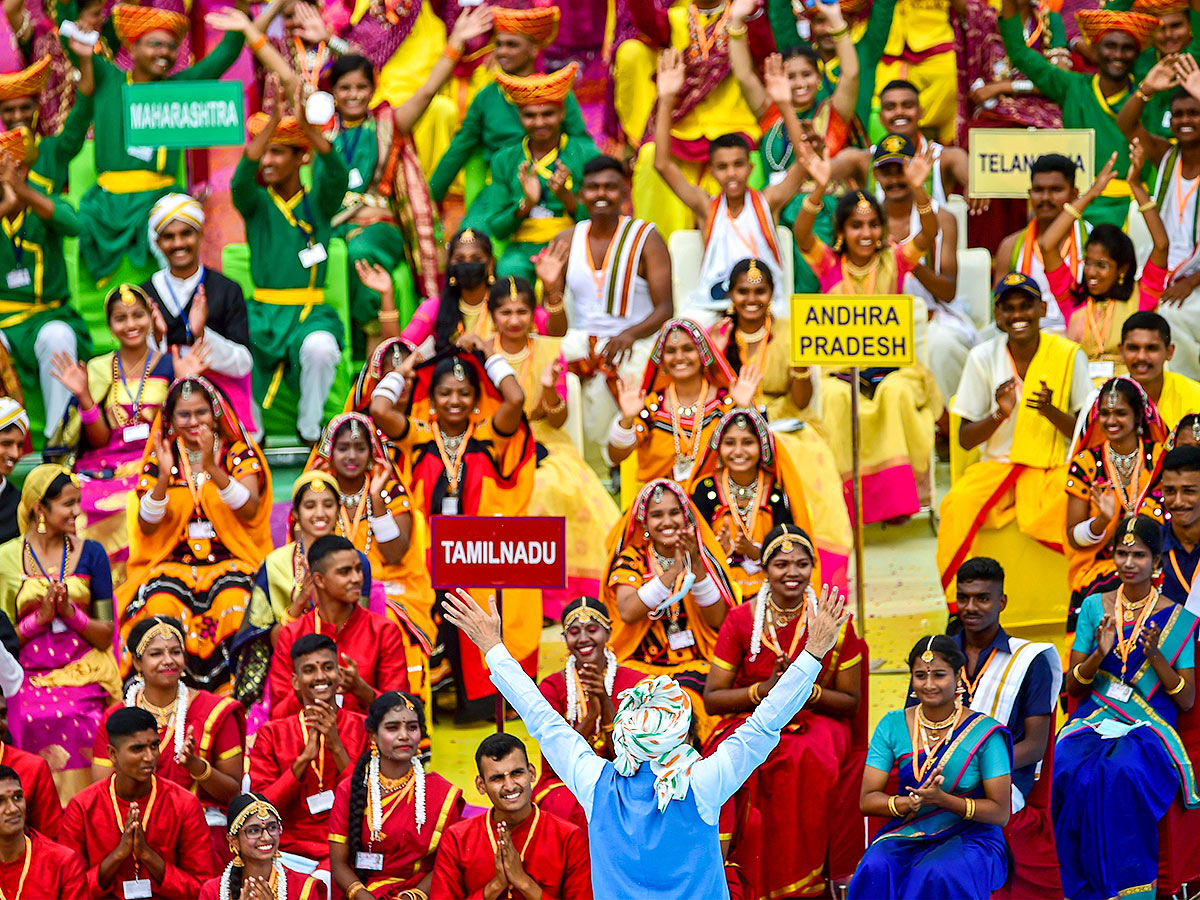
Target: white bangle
(151,510)
(1084,536)
(1022,86)
(391,386)
(706,592)
(621,437)
(750,566)
(338,45)
(653,592)
(384,528)
(498,368)
(235,494)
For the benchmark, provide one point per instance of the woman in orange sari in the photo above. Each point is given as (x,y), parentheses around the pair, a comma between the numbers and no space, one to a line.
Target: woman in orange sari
(369,495)
(757,642)
(1114,474)
(668,590)
(686,389)
(202,527)
(745,486)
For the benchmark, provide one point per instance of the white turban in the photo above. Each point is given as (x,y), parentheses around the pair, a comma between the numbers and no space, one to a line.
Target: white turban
(652,725)
(168,208)
(12,413)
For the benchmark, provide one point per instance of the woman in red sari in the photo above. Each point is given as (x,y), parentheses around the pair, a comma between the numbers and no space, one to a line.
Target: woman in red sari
(201,735)
(398,810)
(586,694)
(757,643)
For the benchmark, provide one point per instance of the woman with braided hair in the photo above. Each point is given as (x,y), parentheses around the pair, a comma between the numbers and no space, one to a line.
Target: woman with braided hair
(403,809)
(254,873)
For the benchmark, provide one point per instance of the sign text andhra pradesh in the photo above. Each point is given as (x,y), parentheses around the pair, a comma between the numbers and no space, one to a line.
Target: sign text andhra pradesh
(183,114)
(837,330)
(999,158)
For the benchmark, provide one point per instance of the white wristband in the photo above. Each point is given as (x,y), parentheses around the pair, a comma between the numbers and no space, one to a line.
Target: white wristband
(391,386)
(1084,536)
(706,592)
(621,437)
(151,510)
(235,494)
(384,528)
(498,368)
(1022,86)
(653,592)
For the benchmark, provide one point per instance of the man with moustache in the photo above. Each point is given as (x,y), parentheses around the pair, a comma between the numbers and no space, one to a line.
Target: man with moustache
(42,808)
(516,849)
(1181,535)
(32,865)
(1146,349)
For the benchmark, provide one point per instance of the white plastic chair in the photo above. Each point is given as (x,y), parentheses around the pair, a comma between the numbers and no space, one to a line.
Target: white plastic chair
(957,207)
(975,283)
(687,252)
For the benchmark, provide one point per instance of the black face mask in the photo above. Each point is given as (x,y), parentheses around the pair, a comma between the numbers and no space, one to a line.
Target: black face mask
(468,274)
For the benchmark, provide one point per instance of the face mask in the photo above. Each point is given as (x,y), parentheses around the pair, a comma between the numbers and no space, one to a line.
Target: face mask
(468,275)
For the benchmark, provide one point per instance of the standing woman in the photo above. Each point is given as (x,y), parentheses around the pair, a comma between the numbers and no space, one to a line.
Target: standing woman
(756,644)
(686,389)
(390,808)
(253,826)
(201,530)
(943,837)
(200,735)
(668,590)
(1114,473)
(57,588)
(1132,664)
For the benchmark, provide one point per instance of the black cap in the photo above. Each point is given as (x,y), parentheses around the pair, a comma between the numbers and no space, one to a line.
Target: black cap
(894,148)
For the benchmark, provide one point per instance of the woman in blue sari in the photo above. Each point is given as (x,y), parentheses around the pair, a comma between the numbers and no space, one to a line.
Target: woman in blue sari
(943,838)
(1118,762)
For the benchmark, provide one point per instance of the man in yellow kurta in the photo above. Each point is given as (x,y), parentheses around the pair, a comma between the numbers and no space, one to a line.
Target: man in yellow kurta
(1146,348)
(920,49)
(1018,399)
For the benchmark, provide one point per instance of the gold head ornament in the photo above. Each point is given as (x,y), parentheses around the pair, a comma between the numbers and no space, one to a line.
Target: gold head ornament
(159,629)
(586,612)
(512,289)
(754,274)
(927,656)
(460,373)
(259,808)
(467,237)
(1129,536)
(863,206)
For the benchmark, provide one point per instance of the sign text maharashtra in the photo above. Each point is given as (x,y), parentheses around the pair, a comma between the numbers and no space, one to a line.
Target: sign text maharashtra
(184,114)
(865,331)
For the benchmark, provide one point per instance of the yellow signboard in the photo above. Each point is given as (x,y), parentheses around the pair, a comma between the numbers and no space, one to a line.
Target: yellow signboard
(999,158)
(842,330)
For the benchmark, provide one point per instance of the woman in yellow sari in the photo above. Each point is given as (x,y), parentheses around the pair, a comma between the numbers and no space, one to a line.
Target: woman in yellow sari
(1114,474)
(790,396)
(57,588)
(563,485)
(202,527)
(668,591)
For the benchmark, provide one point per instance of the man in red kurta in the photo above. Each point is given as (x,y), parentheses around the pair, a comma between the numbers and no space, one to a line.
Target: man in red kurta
(517,850)
(297,761)
(31,865)
(372,647)
(138,834)
(43,810)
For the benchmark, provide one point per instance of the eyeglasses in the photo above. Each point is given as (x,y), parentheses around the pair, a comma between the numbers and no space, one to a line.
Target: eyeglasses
(254,832)
(162,45)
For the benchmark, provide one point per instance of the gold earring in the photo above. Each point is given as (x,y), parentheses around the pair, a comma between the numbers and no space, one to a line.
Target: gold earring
(41,529)
(453,281)
(237,854)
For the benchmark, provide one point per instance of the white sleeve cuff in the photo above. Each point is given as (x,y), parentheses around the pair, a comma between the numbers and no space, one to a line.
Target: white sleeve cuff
(235,495)
(151,510)
(384,528)
(391,386)
(706,592)
(1084,536)
(653,593)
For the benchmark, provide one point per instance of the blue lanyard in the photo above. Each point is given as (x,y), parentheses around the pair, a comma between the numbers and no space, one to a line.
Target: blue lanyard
(62,572)
(18,240)
(137,401)
(349,148)
(307,220)
(180,312)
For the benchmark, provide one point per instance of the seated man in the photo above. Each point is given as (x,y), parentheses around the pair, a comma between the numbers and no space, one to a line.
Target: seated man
(31,864)
(14,430)
(288,228)
(196,302)
(1016,682)
(1181,535)
(297,761)
(616,307)
(43,809)
(1051,187)
(372,647)
(37,320)
(517,849)
(1146,348)
(136,834)
(532,195)
(492,122)
(1018,398)
(740,221)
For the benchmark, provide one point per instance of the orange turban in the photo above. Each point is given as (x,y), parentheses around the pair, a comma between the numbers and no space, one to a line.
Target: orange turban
(539,25)
(1095,23)
(535,89)
(132,22)
(1159,8)
(17,145)
(288,132)
(26,83)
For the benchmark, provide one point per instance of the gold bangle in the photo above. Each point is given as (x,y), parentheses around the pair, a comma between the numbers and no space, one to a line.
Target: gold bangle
(1079,677)
(734,32)
(924,210)
(892,807)
(1178,687)
(206,774)
(1147,206)
(607,729)
(550,410)
(354,890)
(815,696)
(755,697)
(970,810)
(812,206)
(1141,95)
(392,316)
(1072,212)
(556,308)
(840,33)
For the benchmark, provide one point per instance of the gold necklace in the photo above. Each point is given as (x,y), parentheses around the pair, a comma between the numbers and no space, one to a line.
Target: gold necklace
(162,714)
(783,616)
(753,337)
(391,785)
(930,725)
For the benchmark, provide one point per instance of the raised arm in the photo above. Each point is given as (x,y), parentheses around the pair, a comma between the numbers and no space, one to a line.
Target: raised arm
(670,83)
(845,95)
(507,418)
(234,20)
(741,62)
(1160,78)
(1049,79)
(470,24)
(780,93)
(821,170)
(916,172)
(1052,238)
(1146,206)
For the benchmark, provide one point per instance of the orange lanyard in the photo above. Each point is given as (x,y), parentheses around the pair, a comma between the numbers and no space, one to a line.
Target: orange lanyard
(491,830)
(318,764)
(746,525)
(748,242)
(24,872)
(145,816)
(658,571)
(451,465)
(1181,198)
(193,488)
(760,355)
(689,440)
(1068,250)
(869,288)
(349,530)
(311,75)
(1124,646)
(973,685)
(1131,499)
(1186,582)
(919,772)
(703,37)
(405,794)
(775,645)
(599,273)
(1099,332)
(1037,32)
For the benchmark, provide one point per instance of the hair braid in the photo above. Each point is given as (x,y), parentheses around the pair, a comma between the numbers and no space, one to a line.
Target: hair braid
(358,808)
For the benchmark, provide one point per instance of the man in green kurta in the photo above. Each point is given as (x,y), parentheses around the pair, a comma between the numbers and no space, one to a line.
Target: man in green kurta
(1090,101)
(36,318)
(294,335)
(130,179)
(1178,32)
(19,106)
(492,123)
(534,181)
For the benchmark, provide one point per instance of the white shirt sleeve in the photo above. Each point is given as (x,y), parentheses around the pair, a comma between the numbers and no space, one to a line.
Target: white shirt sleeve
(976,395)
(12,676)
(1081,384)
(227,357)
(564,748)
(715,778)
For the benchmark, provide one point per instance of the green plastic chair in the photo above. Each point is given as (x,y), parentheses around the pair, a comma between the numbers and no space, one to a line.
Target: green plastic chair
(279,422)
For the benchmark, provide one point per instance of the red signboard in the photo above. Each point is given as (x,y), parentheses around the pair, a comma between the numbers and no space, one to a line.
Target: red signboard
(497,552)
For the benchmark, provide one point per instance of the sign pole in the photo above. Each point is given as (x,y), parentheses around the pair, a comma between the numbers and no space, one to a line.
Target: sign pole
(499,696)
(856,491)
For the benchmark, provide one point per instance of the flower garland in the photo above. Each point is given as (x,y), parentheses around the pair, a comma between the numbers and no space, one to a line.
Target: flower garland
(133,696)
(280,882)
(760,616)
(610,677)
(375,793)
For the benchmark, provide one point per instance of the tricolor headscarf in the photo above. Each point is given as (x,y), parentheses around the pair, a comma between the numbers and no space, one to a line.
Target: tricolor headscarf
(167,209)
(652,725)
(13,413)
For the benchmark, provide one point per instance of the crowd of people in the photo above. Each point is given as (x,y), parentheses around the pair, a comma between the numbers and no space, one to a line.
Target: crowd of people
(558,246)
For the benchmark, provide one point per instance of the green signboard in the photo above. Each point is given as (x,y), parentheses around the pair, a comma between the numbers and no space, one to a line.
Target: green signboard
(184,114)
